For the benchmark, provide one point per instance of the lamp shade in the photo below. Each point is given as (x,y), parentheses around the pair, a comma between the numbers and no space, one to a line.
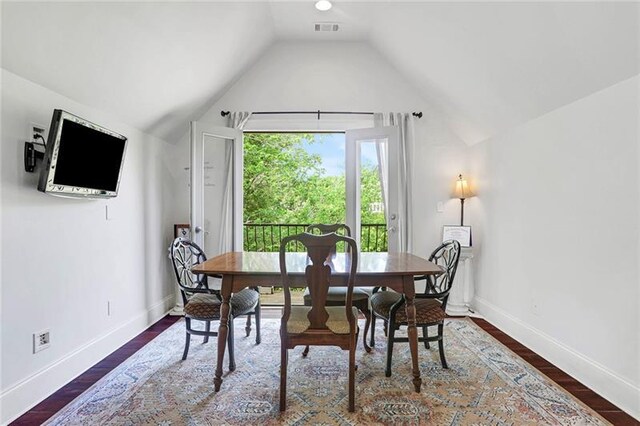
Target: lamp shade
(462,190)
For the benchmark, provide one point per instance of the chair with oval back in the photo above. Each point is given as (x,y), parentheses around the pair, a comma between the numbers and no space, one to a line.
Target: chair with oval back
(430,305)
(202,303)
(318,324)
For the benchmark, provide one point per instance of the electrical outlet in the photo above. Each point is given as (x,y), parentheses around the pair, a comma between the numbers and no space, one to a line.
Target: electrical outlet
(41,340)
(535,309)
(33,131)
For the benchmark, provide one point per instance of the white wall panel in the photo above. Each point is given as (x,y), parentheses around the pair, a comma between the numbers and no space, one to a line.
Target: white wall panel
(62,261)
(557,262)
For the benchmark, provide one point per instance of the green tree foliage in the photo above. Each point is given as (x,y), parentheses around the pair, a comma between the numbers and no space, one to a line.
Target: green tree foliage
(370,194)
(279,175)
(285,184)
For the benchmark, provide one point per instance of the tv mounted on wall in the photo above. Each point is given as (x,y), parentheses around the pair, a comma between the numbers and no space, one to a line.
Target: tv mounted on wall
(82,159)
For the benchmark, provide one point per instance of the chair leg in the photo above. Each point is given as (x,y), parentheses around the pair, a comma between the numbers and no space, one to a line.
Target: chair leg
(207,328)
(425,335)
(390,335)
(355,345)
(386,331)
(188,338)
(367,324)
(247,328)
(441,345)
(352,376)
(230,345)
(305,352)
(283,377)
(258,317)
(372,342)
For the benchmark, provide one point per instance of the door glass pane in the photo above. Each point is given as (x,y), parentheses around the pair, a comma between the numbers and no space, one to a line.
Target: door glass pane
(217,194)
(373,229)
(366,204)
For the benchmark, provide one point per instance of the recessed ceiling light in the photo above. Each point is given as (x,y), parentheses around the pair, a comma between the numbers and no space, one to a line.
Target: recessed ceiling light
(323,5)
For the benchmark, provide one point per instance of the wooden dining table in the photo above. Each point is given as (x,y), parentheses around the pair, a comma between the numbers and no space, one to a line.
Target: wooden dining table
(248,269)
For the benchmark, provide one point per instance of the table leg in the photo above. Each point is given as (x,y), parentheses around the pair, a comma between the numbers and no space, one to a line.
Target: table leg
(412,331)
(223,329)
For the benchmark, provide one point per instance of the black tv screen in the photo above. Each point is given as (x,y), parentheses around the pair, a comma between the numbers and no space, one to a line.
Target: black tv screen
(82,159)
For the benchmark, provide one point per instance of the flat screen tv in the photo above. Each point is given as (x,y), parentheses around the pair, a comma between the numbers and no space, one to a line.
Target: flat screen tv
(82,159)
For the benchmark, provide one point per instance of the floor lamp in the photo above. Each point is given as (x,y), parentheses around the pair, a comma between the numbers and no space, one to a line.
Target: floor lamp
(462,192)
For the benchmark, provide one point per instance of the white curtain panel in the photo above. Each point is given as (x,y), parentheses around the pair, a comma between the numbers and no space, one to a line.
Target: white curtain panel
(405,155)
(235,120)
(382,152)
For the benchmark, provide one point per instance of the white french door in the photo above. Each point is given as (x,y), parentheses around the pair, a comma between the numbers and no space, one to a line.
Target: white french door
(216,188)
(385,141)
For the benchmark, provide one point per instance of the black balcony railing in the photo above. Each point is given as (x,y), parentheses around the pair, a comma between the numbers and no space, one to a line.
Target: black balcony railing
(373,237)
(266,237)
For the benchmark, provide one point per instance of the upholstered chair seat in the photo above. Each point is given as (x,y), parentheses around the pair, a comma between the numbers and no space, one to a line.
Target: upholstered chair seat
(339,295)
(203,306)
(427,310)
(337,322)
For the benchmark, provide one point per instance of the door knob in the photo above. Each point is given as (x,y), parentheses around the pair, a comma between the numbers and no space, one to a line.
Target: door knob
(198,229)
(393,216)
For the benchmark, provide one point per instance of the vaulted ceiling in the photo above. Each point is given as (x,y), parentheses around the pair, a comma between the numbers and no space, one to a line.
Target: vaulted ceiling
(488,66)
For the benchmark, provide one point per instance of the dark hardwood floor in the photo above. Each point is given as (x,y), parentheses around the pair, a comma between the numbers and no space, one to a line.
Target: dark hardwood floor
(47,408)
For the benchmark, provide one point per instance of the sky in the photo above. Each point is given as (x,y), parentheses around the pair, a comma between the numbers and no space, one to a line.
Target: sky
(331,148)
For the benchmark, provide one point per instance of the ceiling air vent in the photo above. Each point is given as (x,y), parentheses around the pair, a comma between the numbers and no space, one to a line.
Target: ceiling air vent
(330,27)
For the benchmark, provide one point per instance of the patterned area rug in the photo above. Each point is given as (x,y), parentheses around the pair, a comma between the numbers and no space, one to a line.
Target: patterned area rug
(486,384)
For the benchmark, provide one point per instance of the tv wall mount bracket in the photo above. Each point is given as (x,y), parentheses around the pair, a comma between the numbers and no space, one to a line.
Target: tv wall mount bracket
(32,155)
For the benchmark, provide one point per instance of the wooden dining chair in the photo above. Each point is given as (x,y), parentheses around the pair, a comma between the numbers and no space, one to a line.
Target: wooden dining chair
(430,305)
(337,295)
(318,324)
(202,303)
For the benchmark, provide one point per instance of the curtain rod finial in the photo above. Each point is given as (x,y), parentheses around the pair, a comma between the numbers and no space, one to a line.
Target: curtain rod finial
(418,114)
(224,113)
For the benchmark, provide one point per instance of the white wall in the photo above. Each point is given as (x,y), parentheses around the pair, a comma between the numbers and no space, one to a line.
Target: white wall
(557,265)
(351,77)
(62,260)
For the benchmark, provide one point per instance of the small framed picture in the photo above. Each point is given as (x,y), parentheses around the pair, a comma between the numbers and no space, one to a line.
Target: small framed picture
(182,230)
(461,234)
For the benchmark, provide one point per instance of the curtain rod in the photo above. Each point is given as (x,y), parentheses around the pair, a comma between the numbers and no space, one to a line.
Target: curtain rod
(318,112)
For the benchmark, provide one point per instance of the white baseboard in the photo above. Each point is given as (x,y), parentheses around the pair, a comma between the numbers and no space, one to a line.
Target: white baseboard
(587,371)
(24,395)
